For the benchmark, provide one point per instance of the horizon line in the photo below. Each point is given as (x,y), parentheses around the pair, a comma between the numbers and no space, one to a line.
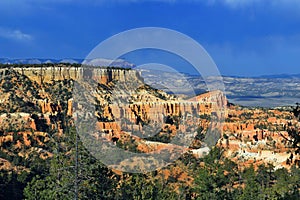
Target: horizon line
(76,59)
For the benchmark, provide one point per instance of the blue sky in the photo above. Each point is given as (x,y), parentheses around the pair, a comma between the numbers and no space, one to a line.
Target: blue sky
(244,37)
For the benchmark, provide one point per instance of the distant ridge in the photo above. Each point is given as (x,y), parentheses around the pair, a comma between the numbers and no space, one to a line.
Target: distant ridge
(281,76)
(93,62)
(38,61)
(267,76)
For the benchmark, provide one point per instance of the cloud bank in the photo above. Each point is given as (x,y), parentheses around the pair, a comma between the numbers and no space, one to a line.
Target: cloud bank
(245,3)
(14,34)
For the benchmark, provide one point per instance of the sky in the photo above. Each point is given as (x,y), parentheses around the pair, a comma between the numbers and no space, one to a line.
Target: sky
(243,37)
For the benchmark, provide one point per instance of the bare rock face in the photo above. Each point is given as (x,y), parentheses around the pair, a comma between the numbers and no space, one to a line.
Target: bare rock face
(250,136)
(150,112)
(49,107)
(253,136)
(62,72)
(104,76)
(70,107)
(5,165)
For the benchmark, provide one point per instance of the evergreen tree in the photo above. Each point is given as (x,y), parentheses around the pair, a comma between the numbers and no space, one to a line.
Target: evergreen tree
(216,177)
(73,174)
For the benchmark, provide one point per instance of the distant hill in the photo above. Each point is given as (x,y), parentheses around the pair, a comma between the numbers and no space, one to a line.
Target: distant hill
(264,91)
(281,76)
(37,61)
(94,62)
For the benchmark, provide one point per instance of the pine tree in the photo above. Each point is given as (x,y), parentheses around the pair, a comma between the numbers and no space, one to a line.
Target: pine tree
(74,174)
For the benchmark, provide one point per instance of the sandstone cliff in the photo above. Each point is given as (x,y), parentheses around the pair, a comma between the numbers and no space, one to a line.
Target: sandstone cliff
(125,108)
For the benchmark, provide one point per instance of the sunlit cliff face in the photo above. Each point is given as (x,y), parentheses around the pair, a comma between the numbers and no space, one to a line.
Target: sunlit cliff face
(35,98)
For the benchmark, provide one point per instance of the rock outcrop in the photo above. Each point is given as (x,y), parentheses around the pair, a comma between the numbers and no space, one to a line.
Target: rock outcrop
(102,75)
(126,108)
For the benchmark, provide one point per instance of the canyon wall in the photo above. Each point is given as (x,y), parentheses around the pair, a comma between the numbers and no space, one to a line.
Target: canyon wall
(61,72)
